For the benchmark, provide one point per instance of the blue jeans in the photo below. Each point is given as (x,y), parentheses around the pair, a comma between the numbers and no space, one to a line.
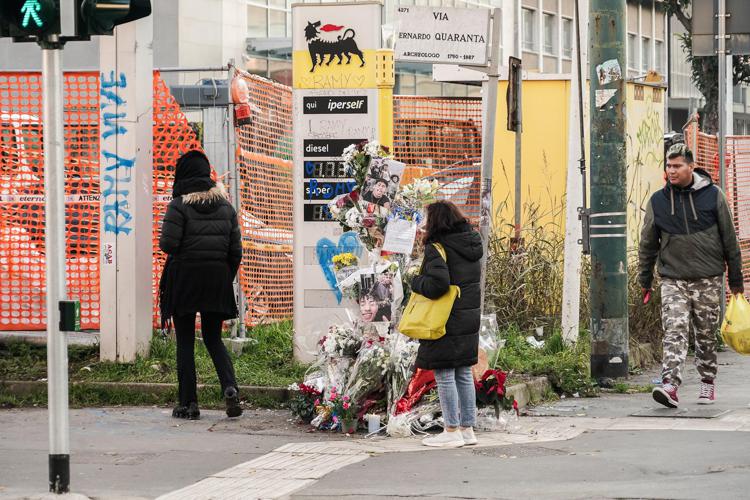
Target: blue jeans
(457,396)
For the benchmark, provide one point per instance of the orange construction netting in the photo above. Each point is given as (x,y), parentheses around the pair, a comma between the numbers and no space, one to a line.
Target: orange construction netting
(737,179)
(438,138)
(173,136)
(22,278)
(441,138)
(264,164)
(22,273)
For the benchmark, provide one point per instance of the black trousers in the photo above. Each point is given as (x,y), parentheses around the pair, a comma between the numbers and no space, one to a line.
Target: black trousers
(211,329)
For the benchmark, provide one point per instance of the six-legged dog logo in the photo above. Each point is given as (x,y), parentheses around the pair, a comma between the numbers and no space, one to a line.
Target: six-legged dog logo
(343,46)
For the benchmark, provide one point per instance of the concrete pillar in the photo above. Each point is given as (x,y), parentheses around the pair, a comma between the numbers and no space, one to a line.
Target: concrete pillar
(126,98)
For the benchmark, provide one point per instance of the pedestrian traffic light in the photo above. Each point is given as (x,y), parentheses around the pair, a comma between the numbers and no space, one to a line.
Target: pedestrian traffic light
(26,18)
(99,17)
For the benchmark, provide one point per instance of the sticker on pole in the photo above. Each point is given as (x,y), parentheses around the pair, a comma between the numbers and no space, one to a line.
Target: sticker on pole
(442,35)
(609,71)
(603,96)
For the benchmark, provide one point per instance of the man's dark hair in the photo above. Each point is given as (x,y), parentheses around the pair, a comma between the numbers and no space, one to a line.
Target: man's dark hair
(680,149)
(380,180)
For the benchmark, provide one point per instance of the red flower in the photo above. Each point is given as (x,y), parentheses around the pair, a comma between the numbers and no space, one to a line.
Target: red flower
(368,221)
(341,202)
(354,195)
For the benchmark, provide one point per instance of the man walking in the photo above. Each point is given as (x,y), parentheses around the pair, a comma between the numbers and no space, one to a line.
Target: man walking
(688,232)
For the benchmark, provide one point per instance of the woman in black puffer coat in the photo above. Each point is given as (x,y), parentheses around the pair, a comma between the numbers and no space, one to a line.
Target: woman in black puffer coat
(452,356)
(201,237)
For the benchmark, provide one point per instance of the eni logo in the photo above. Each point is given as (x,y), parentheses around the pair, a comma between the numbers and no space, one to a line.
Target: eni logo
(343,46)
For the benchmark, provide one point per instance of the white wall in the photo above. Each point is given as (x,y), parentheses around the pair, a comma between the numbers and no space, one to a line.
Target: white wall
(211,32)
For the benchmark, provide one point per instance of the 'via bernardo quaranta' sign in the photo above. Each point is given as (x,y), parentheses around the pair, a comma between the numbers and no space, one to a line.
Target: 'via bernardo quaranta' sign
(442,35)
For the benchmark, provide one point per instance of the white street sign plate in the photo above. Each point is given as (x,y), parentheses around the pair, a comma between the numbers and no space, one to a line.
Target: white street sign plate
(442,35)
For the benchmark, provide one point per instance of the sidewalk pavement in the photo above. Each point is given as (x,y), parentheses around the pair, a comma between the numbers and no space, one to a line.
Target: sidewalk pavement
(588,448)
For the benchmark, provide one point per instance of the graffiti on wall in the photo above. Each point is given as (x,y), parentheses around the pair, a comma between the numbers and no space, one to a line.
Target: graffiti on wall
(118,177)
(327,249)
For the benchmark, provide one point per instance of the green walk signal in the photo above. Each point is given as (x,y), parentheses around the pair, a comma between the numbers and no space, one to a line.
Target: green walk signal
(30,10)
(29,18)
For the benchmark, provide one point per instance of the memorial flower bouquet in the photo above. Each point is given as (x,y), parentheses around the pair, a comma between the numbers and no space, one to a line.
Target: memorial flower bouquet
(340,341)
(368,372)
(349,210)
(302,401)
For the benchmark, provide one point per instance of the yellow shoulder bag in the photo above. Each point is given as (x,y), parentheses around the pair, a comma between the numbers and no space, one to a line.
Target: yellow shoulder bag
(425,319)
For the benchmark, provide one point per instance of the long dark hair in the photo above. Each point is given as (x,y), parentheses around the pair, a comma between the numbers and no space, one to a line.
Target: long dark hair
(442,217)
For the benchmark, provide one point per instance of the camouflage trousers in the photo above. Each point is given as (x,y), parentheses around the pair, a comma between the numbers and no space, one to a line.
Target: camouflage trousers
(686,302)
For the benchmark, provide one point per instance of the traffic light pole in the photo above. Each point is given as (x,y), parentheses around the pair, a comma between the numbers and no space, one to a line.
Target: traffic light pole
(54,188)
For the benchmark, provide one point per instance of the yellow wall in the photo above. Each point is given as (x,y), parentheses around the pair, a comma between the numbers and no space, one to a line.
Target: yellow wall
(545,154)
(645,152)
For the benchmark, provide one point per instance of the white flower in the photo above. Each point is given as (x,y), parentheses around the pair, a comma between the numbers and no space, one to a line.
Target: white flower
(293,387)
(348,154)
(333,208)
(372,148)
(354,218)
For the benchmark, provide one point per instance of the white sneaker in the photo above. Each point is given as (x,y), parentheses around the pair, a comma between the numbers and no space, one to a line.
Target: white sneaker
(469,437)
(445,440)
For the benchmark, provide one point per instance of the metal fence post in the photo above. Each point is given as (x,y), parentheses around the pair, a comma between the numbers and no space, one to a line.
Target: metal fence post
(235,181)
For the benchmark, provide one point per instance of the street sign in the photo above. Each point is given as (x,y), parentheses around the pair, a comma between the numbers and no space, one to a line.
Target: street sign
(706,27)
(442,35)
(457,74)
(513,94)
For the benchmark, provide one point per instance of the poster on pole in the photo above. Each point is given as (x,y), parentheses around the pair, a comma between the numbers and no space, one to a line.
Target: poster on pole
(442,35)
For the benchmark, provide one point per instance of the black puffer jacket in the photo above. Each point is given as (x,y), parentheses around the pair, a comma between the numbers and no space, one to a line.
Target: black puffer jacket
(460,345)
(202,238)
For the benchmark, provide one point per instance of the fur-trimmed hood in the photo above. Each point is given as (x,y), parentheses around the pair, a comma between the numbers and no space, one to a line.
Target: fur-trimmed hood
(210,197)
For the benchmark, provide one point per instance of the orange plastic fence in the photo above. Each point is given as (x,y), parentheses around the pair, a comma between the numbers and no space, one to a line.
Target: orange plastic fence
(264,164)
(173,136)
(22,278)
(22,260)
(441,138)
(436,137)
(737,179)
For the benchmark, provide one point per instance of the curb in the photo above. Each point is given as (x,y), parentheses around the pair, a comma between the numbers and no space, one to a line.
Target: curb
(26,387)
(529,392)
(525,393)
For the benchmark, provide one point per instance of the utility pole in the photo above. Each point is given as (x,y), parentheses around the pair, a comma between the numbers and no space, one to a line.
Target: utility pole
(576,233)
(608,219)
(489,113)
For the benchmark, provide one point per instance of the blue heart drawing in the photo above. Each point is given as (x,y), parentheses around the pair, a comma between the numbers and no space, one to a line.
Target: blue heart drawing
(326,249)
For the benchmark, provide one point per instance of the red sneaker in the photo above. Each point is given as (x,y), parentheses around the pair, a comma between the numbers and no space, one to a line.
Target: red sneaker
(666,395)
(707,394)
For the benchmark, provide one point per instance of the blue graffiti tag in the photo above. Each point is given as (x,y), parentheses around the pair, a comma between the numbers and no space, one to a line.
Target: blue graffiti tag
(116,190)
(326,249)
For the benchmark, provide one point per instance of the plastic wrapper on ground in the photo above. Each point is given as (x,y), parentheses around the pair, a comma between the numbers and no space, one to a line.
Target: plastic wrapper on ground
(507,421)
(421,418)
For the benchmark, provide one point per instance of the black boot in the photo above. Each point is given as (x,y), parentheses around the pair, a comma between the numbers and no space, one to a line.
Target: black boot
(232,399)
(179,411)
(193,413)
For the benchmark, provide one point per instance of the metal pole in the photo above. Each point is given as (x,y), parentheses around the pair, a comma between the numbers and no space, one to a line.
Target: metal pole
(54,187)
(489,112)
(236,196)
(576,188)
(725,97)
(722,52)
(608,219)
(519,130)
